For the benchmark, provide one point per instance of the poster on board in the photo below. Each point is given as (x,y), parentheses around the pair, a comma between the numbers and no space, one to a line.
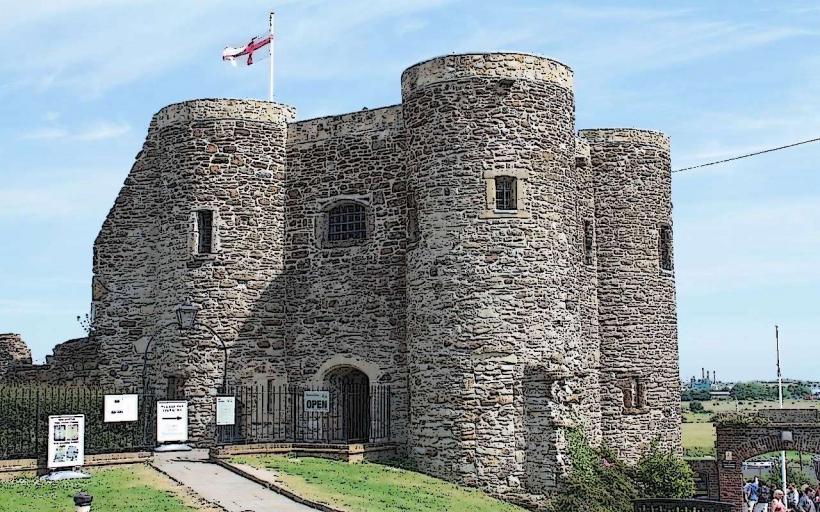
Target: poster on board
(172,421)
(225,410)
(119,408)
(66,441)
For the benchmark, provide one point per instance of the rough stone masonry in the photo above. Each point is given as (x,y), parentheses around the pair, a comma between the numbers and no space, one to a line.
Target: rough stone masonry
(509,278)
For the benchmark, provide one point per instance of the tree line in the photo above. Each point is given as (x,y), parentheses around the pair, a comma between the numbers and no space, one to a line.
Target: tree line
(755,391)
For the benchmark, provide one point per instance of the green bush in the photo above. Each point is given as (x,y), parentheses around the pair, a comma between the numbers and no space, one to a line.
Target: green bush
(662,474)
(696,406)
(600,482)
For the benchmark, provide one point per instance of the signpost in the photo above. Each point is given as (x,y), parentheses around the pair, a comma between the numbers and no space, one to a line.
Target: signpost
(172,421)
(119,408)
(225,410)
(317,401)
(66,441)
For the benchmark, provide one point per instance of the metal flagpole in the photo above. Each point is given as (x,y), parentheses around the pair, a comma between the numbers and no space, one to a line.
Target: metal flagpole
(780,397)
(270,86)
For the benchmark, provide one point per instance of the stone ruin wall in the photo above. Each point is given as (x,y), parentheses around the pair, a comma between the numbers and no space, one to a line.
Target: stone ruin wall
(13,352)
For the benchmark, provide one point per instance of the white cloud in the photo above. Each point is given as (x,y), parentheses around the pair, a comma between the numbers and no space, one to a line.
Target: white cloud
(45,133)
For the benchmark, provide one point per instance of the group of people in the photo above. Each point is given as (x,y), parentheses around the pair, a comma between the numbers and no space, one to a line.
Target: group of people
(761,498)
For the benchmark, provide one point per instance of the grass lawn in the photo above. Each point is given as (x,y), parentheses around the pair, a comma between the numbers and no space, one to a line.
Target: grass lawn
(698,438)
(133,488)
(369,487)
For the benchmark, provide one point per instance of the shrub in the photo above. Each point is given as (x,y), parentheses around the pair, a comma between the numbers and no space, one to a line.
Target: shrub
(696,406)
(662,474)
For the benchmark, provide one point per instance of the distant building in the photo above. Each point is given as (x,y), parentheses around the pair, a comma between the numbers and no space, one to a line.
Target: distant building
(705,383)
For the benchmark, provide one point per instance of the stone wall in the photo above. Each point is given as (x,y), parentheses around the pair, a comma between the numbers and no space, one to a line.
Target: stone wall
(13,351)
(73,362)
(640,381)
(706,478)
(346,301)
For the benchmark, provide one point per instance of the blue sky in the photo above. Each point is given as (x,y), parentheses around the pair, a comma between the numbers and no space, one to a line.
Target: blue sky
(80,79)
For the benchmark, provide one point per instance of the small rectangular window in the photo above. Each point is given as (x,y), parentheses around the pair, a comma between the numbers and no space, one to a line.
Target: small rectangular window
(588,242)
(635,394)
(665,247)
(175,389)
(205,231)
(505,193)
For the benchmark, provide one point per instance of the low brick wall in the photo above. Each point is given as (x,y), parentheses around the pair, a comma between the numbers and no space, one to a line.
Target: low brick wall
(348,452)
(31,467)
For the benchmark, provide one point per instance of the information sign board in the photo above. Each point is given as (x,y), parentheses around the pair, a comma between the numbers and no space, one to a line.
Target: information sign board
(225,410)
(66,441)
(121,408)
(317,401)
(172,420)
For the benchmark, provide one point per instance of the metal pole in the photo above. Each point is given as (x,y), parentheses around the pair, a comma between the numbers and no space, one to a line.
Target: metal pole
(780,398)
(270,85)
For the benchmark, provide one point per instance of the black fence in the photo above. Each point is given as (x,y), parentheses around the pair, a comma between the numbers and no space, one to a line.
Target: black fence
(24,412)
(280,414)
(669,505)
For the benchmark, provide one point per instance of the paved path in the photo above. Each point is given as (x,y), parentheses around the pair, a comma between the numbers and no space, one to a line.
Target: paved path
(218,485)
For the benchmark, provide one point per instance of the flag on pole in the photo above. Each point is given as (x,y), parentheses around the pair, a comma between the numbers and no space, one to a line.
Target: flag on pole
(233,53)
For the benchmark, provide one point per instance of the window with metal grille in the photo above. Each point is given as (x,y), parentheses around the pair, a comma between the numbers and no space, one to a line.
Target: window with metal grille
(588,242)
(665,247)
(505,193)
(347,222)
(205,231)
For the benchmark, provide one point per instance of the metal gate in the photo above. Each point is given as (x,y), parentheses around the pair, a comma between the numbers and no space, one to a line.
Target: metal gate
(355,414)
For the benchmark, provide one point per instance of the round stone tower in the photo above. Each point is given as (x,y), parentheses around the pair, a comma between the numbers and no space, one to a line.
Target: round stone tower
(640,391)
(496,358)
(205,201)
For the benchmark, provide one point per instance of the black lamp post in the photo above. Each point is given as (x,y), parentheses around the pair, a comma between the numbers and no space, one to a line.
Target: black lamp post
(186,320)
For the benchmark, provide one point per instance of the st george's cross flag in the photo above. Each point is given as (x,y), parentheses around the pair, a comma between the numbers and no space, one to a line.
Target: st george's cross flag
(233,53)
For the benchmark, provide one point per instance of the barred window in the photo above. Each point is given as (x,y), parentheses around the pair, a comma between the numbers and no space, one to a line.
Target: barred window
(347,222)
(205,231)
(665,247)
(505,193)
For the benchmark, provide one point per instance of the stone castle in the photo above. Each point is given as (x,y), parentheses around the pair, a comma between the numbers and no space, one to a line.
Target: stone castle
(508,277)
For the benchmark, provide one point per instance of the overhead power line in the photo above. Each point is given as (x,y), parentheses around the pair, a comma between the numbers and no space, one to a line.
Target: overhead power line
(748,155)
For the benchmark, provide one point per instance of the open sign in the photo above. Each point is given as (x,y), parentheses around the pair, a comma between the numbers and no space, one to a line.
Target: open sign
(317,401)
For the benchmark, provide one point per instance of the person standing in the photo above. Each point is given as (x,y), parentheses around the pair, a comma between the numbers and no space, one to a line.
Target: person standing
(806,502)
(764,497)
(792,497)
(777,502)
(750,492)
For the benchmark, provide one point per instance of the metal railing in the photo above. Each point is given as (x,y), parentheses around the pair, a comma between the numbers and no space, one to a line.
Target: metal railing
(24,412)
(670,505)
(355,414)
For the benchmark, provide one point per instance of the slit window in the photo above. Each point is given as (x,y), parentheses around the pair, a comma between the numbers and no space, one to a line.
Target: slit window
(635,394)
(505,193)
(588,242)
(205,231)
(665,247)
(347,222)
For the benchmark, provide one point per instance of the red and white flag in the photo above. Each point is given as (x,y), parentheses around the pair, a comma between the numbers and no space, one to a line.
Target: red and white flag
(233,53)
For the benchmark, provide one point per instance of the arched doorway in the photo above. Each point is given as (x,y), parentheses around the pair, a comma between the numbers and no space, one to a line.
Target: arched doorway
(741,439)
(350,396)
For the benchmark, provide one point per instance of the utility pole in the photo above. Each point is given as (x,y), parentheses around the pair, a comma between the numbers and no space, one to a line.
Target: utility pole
(780,397)
(270,69)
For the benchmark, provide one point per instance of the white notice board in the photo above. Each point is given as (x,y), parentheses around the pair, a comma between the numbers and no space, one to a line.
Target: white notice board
(317,401)
(121,408)
(225,410)
(66,441)
(172,420)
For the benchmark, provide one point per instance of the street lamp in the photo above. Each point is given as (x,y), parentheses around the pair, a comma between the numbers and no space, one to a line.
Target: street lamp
(186,314)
